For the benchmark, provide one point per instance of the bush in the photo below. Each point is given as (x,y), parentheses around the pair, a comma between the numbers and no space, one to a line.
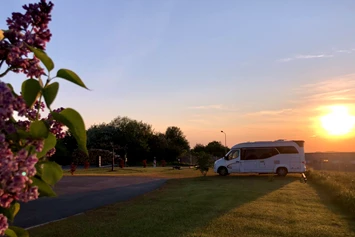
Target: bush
(204,162)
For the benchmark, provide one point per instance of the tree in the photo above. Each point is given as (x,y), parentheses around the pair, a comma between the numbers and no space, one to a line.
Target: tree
(216,149)
(133,137)
(64,149)
(177,143)
(137,140)
(199,148)
(100,136)
(158,146)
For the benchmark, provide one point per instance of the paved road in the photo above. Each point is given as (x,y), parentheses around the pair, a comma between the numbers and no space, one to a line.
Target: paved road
(80,194)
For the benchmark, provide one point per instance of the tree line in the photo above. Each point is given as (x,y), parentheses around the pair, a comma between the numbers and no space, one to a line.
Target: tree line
(135,140)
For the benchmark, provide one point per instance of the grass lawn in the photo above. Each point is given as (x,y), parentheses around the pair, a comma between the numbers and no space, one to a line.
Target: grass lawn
(340,186)
(214,206)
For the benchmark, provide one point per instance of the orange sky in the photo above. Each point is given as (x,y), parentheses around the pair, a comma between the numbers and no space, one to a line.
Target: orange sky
(303,123)
(301,119)
(296,118)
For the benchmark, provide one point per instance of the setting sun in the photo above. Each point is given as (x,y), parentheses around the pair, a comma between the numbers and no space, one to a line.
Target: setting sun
(338,122)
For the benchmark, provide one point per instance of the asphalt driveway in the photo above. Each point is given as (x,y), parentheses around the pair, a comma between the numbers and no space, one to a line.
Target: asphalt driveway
(80,194)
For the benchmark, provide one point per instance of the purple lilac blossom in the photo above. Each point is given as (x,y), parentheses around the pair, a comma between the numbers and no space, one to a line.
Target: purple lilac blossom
(3,224)
(30,28)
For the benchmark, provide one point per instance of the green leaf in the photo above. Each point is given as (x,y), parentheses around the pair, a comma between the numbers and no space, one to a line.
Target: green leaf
(50,92)
(10,86)
(10,233)
(49,143)
(20,232)
(51,172)
(15,209)
(30,91)
(12,89)
(23,134)
(41,55)
(39,169)
(11,212)
(70,76)
(73,120)
(43,188)
(38,129)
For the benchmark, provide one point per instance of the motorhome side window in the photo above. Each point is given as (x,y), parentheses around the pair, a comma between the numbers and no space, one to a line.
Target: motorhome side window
(233,155)
(258,153)
(287,150)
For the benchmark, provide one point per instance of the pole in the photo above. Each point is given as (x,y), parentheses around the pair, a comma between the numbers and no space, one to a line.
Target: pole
(225,142)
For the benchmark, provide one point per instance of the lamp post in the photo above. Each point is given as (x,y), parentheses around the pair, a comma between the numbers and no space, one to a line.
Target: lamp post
(225,142)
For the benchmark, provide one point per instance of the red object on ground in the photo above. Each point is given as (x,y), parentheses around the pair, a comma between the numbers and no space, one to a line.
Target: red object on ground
(72,168)
(163,163)
(144,163)
(86,164)
(121,163)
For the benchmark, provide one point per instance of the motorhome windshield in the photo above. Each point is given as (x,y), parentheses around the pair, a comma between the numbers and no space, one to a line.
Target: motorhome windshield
(228,153)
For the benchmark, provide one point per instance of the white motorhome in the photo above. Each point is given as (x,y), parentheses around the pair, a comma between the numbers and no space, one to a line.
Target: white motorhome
(280,157)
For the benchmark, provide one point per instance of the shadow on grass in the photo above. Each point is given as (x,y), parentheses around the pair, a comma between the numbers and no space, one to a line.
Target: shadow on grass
(331,203)
(174,209)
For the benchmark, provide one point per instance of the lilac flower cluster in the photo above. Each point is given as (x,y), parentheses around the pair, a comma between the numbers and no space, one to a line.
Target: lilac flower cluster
(3,224)
(30,28)
(15,173)
(13,166)
(51,152)
(24,125)
(56,127)
(8,104)
(32,114)
(17,166)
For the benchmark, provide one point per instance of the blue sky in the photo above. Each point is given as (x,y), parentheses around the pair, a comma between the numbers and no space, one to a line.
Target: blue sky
(256,69)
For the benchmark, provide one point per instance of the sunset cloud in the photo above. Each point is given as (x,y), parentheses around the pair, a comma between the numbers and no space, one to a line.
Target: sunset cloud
(277,116)
(314,56)
(339,89)
(212,107)
(345,50)
(307,56)
(270,112)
